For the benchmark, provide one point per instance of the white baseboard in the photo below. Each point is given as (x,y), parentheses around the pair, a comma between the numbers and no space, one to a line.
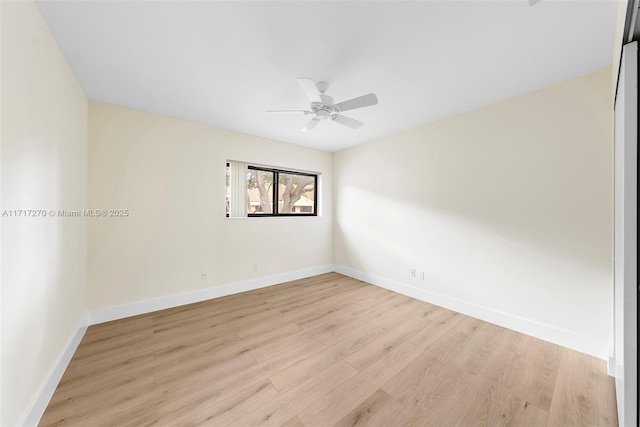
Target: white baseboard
(107,314)
(48,386)
(611,366)
(539,330)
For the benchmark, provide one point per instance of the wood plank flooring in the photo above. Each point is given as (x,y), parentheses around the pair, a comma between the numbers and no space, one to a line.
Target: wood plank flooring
(322,351)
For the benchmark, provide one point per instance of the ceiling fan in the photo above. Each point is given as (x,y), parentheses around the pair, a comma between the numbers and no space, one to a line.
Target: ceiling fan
(322,106)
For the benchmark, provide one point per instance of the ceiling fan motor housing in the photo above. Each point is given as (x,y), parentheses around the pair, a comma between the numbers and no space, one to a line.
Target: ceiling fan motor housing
(323,109)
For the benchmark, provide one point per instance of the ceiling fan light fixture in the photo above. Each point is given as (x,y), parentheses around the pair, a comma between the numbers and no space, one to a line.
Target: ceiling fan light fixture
(322,114)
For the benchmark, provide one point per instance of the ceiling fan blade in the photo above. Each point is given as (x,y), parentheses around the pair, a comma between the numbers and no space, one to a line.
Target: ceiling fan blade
(347,121)
(290,111)
(312,123)
(309,88)
(359,102)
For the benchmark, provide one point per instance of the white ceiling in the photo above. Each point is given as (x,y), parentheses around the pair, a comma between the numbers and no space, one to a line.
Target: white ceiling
(225,63)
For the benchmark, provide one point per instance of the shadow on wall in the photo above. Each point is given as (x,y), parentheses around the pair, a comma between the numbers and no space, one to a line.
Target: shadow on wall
(508,206)
(465,259)
(540,189)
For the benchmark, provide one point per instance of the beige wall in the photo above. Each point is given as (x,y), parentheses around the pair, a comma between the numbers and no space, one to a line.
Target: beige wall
(44,166)
(508,207)
(170,175)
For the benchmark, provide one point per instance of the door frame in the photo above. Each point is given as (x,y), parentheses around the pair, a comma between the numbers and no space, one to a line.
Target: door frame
(625,293)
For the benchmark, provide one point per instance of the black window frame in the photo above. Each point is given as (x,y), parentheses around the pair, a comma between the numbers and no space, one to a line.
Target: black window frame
(276,183)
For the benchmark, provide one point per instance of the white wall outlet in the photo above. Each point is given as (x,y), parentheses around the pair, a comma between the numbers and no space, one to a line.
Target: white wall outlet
(203,275)
(412,273)
(254,268)
(421,275)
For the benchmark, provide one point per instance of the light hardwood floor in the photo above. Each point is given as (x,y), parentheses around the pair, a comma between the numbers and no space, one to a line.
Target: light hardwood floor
(327,350)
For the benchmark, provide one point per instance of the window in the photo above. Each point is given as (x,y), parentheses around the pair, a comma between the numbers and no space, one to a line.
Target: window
(252,190)
(260,186)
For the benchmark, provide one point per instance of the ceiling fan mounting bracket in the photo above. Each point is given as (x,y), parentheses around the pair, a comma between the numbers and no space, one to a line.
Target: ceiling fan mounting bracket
(322,87)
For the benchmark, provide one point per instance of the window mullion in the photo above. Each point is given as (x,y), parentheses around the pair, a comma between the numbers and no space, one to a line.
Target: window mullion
(276,192)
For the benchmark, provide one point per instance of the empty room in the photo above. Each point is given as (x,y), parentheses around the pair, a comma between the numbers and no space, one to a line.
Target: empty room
(318,213)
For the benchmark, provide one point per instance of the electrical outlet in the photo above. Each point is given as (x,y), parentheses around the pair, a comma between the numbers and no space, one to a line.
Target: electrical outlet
(421,275)
(412,273)
(254,268)
(203,275)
